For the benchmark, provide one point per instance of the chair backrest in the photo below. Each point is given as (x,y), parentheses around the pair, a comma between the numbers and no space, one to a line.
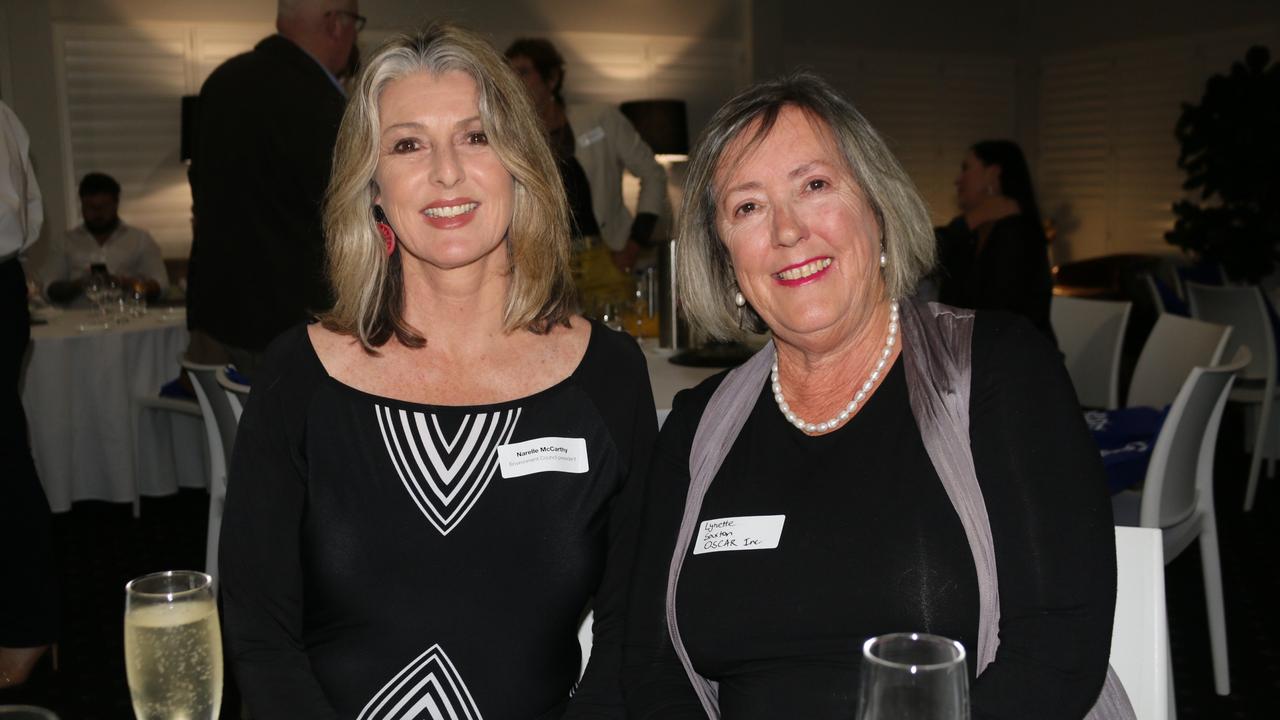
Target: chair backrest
(1153,293)
(214,406)
(1245,310)
(1176,345)
(220,422)
(1180,475)
(1090,334)
(237,393)
(1139,633)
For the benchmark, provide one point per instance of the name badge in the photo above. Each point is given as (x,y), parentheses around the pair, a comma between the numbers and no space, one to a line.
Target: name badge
(548,454)
(594,135)
(751,532)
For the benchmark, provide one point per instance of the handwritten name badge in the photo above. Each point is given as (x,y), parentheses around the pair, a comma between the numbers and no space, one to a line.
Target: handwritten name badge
(548,454)
(751,532)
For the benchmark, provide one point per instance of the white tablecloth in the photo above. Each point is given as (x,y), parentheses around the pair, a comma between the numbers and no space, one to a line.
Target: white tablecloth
(78,391)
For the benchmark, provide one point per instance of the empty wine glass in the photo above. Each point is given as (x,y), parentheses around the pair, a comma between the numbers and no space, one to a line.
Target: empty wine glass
(93,288)
(173,646)
(913,676)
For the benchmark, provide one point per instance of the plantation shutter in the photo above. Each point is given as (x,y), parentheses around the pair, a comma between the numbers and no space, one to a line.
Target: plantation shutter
(929,107)
(120,104)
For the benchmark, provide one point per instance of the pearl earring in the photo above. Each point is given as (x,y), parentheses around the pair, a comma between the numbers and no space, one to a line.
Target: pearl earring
(884,259)
(738,299)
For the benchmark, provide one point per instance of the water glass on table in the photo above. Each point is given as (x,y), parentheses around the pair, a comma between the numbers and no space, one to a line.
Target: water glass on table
(173,646)
(913,676)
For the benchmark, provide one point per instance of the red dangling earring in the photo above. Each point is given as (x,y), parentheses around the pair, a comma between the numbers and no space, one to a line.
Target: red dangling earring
(389,236)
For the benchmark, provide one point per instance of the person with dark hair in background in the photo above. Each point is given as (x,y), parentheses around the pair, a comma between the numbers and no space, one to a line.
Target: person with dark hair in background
(994,256)
(268,120)
(28,598)
(128,254)
(593,144)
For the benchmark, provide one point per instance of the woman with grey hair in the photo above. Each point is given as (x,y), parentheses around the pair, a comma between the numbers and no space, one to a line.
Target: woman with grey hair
(880,466)
(421,505)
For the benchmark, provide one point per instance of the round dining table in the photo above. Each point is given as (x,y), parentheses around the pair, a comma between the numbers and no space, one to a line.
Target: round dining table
(80,389)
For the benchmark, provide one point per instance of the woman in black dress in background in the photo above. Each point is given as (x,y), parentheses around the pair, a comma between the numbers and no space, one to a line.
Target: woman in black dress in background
(994,255)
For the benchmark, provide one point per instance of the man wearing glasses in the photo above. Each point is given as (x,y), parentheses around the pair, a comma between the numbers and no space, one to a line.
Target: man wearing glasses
(264,136)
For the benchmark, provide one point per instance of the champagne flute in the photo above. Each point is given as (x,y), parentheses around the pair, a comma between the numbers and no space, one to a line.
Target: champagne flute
(173,646)
(913,676)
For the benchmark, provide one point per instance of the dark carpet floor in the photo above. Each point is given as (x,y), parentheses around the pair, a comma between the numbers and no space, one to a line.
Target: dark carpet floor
(102,546)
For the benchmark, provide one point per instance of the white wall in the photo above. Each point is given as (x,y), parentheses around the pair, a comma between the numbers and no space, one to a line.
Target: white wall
(1024,33)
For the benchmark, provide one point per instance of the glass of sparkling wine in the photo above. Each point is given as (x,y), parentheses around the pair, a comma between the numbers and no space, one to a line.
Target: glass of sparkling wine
(913,676)
(173,646)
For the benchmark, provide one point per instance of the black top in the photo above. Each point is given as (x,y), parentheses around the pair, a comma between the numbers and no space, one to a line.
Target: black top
(368,541)
(871,544)
(1002,265)
(268,121)
(577,187)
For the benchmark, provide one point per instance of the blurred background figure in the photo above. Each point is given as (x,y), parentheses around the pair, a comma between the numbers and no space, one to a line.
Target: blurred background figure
(593,144)
(103,244)
(994,255)
(268,122)
(28,601)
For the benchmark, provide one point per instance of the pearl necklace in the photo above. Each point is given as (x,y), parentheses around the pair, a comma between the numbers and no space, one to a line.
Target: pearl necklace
(858,397)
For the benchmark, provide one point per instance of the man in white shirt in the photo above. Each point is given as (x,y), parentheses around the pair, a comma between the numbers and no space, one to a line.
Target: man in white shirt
(103,243)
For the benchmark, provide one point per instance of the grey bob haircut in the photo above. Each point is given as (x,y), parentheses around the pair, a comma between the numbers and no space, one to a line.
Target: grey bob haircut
(705,270)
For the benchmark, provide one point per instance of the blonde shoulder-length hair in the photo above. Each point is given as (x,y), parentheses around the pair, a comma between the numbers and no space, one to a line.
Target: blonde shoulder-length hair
(705,270)
(368,284)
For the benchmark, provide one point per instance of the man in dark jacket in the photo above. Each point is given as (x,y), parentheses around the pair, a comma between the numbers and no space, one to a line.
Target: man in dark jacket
(267,124)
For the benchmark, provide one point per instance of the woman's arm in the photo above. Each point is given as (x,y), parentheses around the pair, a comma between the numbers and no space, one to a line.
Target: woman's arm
(261,558)
(599,694)
(1013,269)
(1045,491)
(655,682)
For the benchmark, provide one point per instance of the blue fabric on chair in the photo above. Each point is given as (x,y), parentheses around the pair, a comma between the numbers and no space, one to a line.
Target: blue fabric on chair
(177,390)
(1172,303)
(234,376)
(1125,438)
(1201,273)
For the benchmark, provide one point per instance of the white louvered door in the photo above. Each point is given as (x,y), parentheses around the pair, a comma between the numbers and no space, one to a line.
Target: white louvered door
(1108,155)
(929,107)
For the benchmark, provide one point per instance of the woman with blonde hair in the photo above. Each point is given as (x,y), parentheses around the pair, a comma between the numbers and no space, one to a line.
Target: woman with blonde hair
(421,503)
(879,467)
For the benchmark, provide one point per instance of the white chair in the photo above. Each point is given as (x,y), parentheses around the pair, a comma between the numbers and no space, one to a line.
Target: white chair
(220,430)
(1245,310)
(1140,632)
(585,635)
(237,394)
(153,404)
(1090,335)
(1153,294)
(1175,346)
(1177,494)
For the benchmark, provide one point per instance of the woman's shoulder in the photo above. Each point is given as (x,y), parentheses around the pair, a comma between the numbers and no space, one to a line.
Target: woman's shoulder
(290,362)
(1018,226)
(610,351)
(1006,345)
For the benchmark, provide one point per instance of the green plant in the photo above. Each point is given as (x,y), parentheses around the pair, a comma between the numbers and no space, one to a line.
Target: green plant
(1231,154)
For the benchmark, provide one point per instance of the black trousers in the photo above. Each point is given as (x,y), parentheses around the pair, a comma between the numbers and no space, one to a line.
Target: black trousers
(28,585)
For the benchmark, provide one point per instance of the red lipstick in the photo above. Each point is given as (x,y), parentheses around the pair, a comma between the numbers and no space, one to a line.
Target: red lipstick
(450,221)
(822,265)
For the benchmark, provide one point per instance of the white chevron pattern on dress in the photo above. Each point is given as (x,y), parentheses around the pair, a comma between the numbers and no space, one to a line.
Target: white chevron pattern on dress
(445,476)
(429,688)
